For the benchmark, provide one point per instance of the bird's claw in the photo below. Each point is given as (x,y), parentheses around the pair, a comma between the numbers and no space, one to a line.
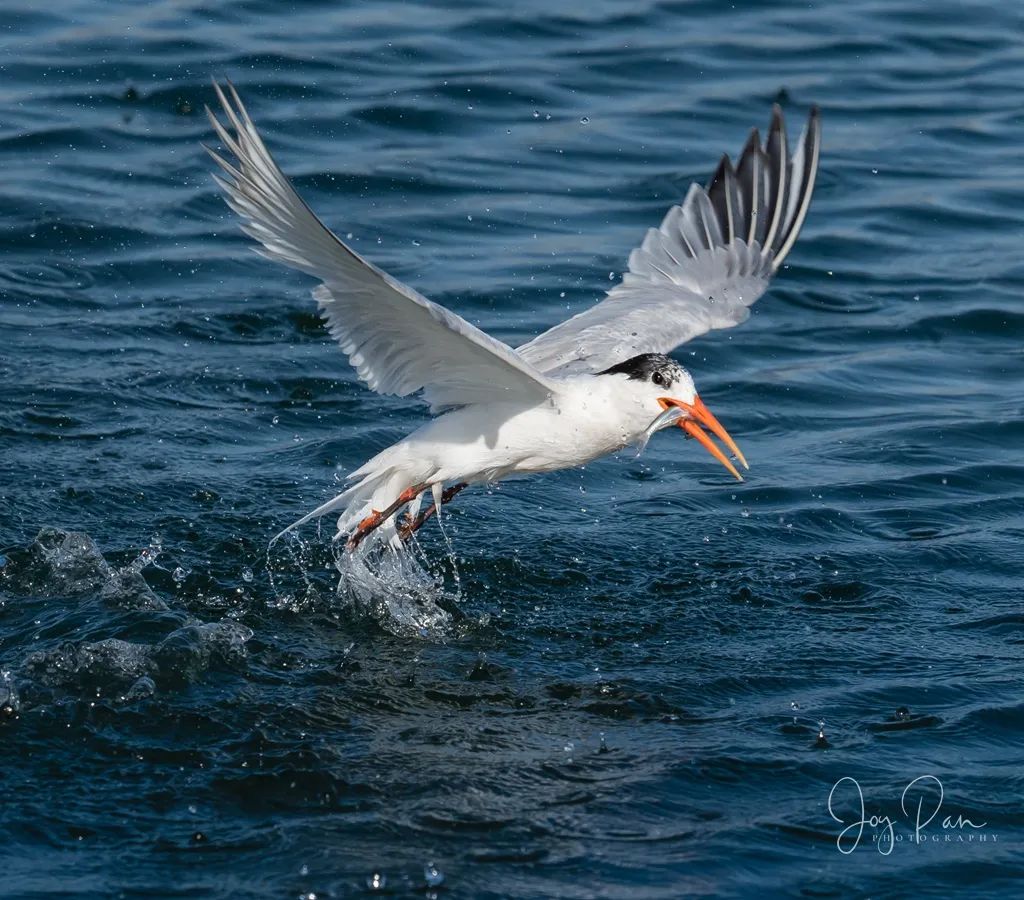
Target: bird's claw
(377,517)
(410,526)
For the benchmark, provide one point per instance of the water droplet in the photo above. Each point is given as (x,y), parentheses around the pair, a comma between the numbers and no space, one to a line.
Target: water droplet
(432,875)
(794,705)
(9,703)
(745,513)
(585,120)
(611,276)
(536,113)
(902,714)
(275,420)
(247,574)
(821,742)
(874,171)
(377,881)
(179,575)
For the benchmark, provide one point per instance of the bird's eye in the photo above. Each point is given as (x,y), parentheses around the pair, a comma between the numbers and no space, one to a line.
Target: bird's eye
(657,378)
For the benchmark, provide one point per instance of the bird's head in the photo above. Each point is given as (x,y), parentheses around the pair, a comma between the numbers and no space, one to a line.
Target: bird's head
(659,384)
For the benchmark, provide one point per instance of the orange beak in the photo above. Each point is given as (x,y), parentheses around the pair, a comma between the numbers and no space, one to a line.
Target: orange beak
(699,415)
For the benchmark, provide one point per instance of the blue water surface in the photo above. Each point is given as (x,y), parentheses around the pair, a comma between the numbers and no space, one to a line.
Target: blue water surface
(649,678)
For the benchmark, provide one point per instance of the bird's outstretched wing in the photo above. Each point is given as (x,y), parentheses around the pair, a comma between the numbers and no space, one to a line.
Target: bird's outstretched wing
(398,341)
(712,257)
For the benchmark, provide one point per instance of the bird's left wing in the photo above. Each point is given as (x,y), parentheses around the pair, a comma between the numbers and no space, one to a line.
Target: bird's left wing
(398,341)
(712,257)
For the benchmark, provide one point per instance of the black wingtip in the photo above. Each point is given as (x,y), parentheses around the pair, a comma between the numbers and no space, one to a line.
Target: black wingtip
(723,171)
(804,168)
(814,119)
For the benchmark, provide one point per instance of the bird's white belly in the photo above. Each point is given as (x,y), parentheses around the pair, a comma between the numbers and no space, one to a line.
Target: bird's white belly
(546,439)
(488,443)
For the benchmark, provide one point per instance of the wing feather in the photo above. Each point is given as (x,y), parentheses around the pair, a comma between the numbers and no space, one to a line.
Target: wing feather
(711,258)
(398,341)
(803,172)
(750,178)
(778,169)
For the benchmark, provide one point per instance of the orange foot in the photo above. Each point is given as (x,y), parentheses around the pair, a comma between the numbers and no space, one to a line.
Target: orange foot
(371,521)
(410,526)
(377,517)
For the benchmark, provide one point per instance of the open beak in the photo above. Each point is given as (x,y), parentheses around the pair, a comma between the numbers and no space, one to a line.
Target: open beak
(699,415)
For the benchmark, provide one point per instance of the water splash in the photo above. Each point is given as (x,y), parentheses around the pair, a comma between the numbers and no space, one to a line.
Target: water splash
(132,668)
(399,587)
(403,588)
(10,703)
(62,563)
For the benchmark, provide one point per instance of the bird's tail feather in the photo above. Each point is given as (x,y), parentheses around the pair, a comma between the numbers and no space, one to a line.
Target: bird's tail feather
(349,498)
(376,490)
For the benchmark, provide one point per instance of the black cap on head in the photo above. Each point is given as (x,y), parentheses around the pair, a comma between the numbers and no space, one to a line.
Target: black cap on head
(654,367)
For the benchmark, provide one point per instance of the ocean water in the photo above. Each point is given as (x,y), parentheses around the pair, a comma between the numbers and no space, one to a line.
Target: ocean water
(643,679)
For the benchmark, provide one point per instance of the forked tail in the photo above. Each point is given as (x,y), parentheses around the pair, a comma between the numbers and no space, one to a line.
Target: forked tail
(374,502)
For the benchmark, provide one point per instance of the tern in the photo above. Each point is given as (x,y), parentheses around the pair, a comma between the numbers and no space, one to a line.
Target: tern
(590,386)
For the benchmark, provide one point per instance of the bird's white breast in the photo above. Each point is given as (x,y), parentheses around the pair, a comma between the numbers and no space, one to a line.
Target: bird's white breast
(587,418)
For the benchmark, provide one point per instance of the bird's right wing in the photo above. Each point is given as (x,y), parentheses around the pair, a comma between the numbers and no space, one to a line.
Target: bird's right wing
(712,257)
(398,341)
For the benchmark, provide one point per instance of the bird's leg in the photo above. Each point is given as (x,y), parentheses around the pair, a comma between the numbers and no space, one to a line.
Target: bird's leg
(376,518)
(411,526)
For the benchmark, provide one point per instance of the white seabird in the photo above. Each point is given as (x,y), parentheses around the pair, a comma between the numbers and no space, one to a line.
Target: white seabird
(590,386)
